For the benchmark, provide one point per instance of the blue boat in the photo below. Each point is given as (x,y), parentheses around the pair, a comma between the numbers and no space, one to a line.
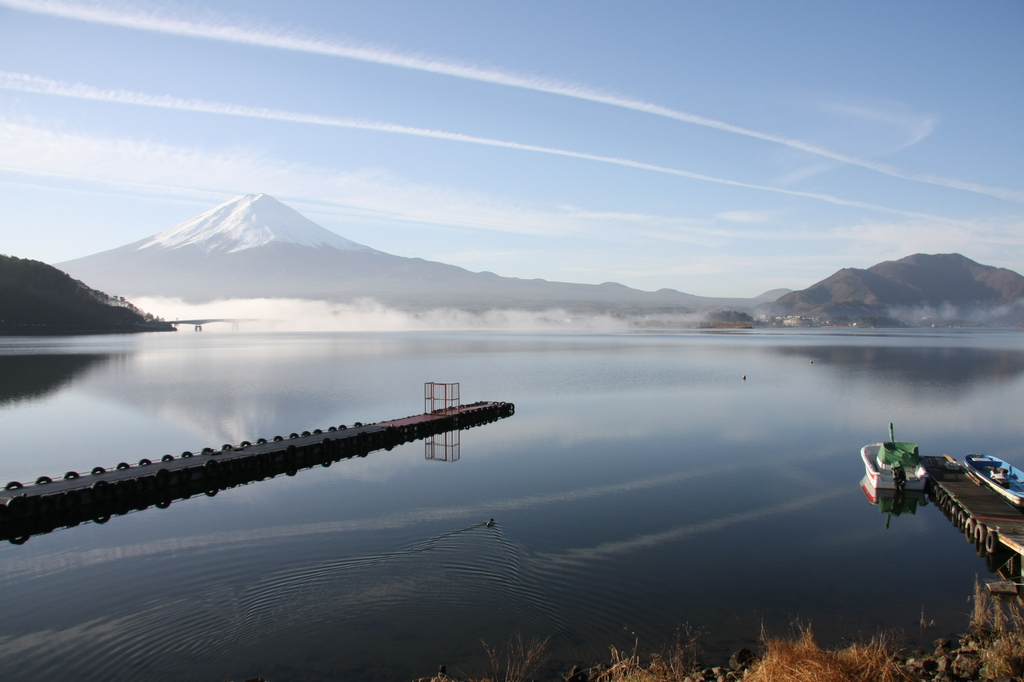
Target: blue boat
(1000,476)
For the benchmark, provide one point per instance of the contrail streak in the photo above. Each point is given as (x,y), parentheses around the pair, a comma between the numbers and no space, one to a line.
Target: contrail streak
(640,542)
(297,43)
(46,86)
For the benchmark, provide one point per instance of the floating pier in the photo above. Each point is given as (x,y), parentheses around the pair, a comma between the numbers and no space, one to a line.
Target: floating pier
(993,526)
(28,509)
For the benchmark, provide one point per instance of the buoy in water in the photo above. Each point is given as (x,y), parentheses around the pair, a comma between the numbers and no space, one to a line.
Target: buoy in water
(812,362)
(744,377)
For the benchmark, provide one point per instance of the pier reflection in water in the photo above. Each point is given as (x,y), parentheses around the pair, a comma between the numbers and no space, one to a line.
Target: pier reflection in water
(41,507)
(444,447)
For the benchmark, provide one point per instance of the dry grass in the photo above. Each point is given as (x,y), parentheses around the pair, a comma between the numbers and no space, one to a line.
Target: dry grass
(517,661)
(513,664)
(673,665)
(995,632)
(982,616)
(802,660)
(997,628)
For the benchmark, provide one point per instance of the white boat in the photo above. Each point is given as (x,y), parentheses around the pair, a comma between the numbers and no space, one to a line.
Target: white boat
(1007,481)
(891,465)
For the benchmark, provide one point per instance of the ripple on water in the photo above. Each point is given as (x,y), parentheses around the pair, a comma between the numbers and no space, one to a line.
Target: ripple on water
(471,580)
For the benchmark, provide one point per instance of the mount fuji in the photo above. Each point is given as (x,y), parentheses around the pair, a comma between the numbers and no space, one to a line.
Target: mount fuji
(249,222)
(254,246)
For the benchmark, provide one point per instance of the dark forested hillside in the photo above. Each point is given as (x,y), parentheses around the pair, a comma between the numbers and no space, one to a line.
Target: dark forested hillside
(36,298)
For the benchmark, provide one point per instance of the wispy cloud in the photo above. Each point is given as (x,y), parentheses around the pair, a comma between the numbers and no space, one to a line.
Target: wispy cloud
(996,242)
(913,127)
(372,199)
(127,165)
(367,197)
(747,216)
(804,172)
(136,19)
(38,84)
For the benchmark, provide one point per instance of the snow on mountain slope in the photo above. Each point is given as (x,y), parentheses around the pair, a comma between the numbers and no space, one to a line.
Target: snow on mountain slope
(247,222)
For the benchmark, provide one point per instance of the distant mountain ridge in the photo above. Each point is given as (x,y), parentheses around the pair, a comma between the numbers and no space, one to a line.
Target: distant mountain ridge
(924,282)
(254,246)
(39,299)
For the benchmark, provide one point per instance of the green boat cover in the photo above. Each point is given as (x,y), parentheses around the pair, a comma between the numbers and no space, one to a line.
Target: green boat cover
(896,454)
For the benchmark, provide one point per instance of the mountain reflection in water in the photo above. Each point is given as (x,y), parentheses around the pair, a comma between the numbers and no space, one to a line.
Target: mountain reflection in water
(950,367)
(33,377)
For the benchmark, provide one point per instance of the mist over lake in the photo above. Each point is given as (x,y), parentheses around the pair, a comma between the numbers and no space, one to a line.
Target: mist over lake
(641,485)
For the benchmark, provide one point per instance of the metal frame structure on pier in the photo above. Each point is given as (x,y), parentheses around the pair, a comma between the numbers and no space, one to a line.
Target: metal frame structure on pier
(439,398)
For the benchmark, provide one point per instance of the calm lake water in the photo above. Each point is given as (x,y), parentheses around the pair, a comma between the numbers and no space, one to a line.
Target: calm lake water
(641,485)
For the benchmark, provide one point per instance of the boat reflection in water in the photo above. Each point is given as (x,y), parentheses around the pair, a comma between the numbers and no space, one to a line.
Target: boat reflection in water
(1000,561)
(893,501)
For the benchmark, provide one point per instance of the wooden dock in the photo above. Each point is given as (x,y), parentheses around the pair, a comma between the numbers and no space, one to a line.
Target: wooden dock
(993,526)
(49,503)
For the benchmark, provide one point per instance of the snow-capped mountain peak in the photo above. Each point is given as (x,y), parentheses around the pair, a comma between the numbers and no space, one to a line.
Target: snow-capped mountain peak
(247,222)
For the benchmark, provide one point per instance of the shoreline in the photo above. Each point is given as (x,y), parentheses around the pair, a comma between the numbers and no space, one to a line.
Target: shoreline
(990,650)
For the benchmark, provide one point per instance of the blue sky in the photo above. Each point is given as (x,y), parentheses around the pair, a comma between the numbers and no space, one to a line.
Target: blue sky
(718,148)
